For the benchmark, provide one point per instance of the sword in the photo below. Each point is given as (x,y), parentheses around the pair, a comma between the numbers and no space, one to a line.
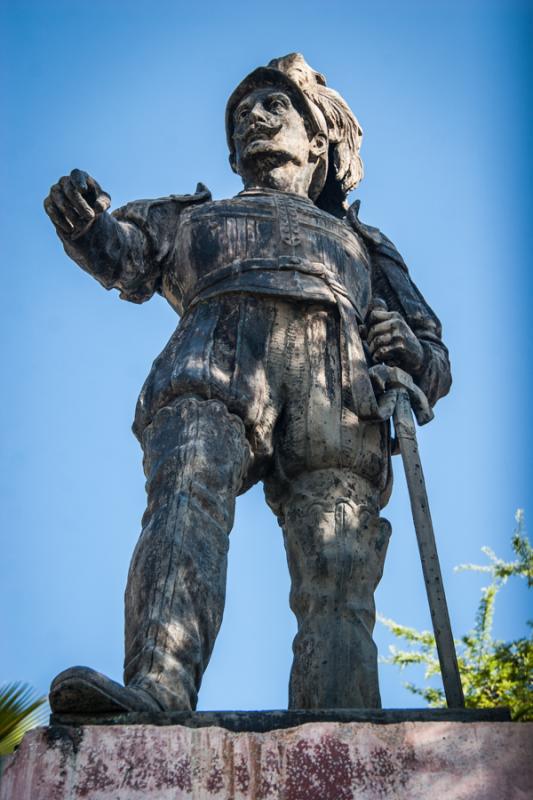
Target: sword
(404,427)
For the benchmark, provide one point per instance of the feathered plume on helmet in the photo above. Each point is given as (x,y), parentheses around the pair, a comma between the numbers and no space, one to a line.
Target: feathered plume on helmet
(344,132)
(328,111)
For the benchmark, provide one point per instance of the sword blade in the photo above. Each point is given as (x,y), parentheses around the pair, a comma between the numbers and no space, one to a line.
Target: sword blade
(405,430)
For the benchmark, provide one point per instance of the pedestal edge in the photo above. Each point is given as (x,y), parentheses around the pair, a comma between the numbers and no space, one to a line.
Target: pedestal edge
(265,721)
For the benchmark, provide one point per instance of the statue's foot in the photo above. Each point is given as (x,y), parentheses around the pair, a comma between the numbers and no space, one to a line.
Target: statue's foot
(84,691)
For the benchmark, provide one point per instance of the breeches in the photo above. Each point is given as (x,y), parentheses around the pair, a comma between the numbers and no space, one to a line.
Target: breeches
(256,393)
(276,365)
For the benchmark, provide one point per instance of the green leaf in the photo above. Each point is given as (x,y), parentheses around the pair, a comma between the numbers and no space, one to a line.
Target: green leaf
(20,710)
(493,673)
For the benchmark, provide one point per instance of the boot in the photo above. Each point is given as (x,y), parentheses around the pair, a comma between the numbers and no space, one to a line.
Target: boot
(84,691)
(336,545)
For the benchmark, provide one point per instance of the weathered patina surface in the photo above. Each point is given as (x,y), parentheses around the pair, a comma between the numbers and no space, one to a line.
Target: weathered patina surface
(289,308)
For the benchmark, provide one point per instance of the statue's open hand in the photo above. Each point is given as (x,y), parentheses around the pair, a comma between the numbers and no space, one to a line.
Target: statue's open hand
(74,202)
(391,341)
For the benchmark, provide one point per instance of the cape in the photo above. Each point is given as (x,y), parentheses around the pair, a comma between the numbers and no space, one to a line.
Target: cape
(391,280)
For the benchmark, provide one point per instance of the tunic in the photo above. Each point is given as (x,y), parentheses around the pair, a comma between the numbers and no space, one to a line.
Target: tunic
(262,243)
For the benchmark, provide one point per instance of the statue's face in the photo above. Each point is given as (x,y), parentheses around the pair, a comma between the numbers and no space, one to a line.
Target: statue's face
(268,127)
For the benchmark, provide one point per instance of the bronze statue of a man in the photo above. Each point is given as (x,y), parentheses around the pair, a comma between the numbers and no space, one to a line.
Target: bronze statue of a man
(286,302)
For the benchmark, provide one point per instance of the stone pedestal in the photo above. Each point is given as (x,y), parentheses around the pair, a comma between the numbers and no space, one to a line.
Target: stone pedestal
(314,761)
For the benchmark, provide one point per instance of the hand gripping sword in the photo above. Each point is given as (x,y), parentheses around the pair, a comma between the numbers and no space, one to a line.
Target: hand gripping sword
(408,393)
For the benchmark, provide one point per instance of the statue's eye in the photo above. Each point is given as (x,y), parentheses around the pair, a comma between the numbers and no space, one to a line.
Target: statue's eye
(242,114)
(276,105)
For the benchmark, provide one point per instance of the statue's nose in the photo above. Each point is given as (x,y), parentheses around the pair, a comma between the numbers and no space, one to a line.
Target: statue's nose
(258,111)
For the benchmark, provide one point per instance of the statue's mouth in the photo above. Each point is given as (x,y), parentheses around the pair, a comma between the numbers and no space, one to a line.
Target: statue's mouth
(259,131)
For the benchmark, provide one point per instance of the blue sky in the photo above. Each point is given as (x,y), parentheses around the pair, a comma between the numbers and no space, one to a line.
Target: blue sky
(134,93)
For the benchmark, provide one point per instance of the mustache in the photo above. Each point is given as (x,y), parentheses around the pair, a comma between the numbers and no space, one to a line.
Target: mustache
(258,128)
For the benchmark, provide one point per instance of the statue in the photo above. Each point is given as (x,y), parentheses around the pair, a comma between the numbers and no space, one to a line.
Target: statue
(287,304)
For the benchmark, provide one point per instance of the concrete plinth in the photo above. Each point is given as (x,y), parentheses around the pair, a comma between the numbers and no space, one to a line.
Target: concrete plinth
(315,761)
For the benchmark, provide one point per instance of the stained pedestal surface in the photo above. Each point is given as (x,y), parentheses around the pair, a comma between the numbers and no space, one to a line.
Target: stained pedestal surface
(314,761)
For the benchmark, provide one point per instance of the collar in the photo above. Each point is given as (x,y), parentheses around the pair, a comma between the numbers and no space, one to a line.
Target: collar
(275,193)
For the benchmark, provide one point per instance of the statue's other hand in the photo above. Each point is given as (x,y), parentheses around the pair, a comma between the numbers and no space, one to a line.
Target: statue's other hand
(74,203)
(391,341)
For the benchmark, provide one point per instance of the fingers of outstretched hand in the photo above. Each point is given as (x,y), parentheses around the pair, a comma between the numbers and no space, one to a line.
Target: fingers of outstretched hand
(60,210)
(76,199)
(90,190)
(102,202)
(57,217)
(80,180)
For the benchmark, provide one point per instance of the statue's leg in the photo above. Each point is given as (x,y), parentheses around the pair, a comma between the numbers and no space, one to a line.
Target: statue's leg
(195,456)
(336,545)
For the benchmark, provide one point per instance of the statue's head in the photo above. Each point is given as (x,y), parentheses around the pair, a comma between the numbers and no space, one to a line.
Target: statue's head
(285,112)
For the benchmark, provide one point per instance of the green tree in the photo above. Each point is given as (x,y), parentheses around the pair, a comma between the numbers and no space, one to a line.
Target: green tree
(493,673)
(20,710)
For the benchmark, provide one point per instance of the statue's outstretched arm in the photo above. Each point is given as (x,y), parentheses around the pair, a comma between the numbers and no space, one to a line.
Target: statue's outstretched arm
(115,252)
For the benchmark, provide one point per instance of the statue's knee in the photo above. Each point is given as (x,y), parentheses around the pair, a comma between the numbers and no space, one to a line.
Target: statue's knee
(335,540)
(367,537)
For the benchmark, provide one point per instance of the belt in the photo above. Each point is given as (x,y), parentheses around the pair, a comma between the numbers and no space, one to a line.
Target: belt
(281,263)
